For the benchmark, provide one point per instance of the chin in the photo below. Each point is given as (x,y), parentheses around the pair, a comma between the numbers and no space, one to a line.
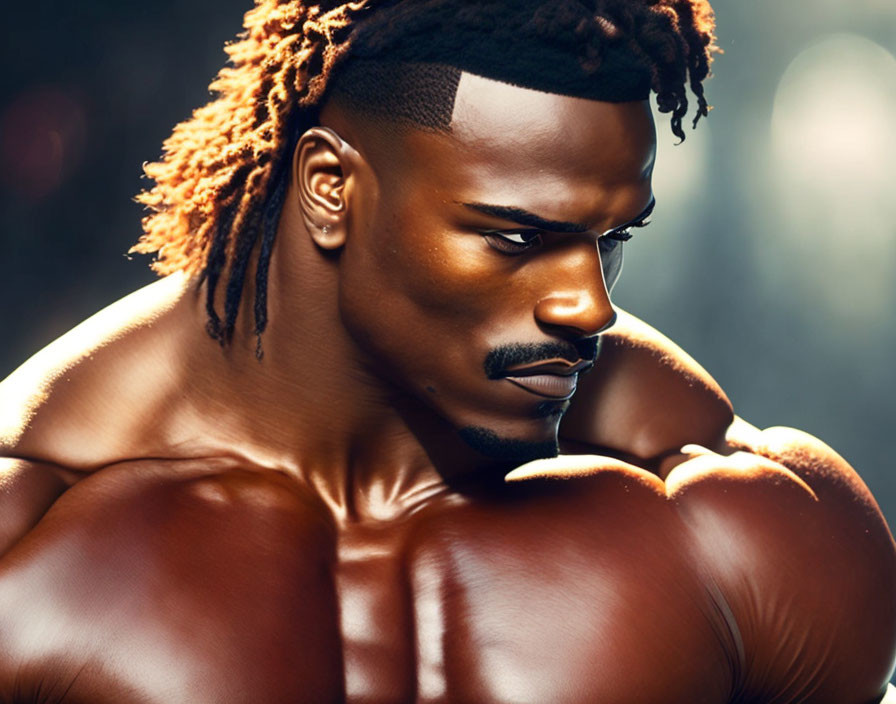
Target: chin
(495,446)
(512,433)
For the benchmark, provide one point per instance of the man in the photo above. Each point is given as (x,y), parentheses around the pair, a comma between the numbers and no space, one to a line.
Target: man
(323,491)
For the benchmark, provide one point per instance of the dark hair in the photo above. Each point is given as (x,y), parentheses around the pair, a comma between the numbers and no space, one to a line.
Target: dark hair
(221,181)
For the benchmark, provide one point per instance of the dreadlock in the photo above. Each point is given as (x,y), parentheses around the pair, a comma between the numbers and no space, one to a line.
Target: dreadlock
(221,181)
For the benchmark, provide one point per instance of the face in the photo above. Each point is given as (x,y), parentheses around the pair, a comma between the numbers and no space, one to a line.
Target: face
(476,271)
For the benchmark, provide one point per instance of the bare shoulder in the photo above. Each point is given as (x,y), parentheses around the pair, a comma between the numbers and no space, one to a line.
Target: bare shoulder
(146,557)
(646,397)
(41,503)
(27,490)
(159,494)
(76,402)
(790,541)
(780,462)
(87,400)
(167,521)
(804,557)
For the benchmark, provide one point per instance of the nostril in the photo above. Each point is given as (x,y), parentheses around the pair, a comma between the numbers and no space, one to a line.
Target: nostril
(582,316)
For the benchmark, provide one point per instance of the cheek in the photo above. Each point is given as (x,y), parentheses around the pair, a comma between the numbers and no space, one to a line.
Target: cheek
(420,270)
(420,298)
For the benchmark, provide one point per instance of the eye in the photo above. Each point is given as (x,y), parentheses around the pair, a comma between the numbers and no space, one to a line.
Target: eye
(611,239)
(513,242)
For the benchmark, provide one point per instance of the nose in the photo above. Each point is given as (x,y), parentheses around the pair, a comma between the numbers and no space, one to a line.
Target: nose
(578,304)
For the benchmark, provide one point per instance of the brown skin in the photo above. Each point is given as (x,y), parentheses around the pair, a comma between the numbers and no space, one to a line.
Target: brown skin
(313,528)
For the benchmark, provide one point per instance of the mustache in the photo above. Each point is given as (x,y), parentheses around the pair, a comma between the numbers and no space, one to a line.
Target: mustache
(499,359)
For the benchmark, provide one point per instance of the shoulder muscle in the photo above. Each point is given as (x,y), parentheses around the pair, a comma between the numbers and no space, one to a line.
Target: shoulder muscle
(646,397)
(27,490)
(804,558)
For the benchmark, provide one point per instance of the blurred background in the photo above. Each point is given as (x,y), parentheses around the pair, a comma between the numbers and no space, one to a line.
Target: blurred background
(771,257)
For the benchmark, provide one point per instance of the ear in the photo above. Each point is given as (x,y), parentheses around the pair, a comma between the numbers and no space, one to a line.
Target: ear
(323,164)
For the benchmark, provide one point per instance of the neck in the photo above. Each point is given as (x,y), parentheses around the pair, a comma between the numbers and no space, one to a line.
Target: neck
(316,407)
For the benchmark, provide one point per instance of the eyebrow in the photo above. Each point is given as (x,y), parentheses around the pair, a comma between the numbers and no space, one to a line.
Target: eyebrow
(646,213)
(524,217)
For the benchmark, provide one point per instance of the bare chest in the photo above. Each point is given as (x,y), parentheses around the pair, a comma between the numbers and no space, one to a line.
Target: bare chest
(505,604)
(519,617)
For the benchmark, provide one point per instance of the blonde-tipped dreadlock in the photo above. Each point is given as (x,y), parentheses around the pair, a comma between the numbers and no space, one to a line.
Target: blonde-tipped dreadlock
(220,184)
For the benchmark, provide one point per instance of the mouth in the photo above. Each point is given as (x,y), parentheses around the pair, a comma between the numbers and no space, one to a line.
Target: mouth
(553,386)
(555,378)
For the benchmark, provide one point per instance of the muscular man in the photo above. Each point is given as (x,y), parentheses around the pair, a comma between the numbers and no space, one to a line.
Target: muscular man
(318,461)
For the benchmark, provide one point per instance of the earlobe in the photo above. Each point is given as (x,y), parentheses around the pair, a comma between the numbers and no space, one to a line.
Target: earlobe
(327,237)
(322,168)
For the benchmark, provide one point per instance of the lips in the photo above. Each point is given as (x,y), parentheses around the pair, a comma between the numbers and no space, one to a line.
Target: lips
(547,385)
(555,378)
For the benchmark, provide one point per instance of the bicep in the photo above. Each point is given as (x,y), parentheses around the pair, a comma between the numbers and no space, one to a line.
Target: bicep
(27,490)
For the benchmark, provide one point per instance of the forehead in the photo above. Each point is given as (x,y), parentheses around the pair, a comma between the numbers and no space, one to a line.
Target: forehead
(501,118)
(540,150)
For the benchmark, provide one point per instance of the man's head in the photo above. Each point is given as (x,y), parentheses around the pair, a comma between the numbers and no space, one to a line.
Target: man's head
(474,199)
(220,183)
(474,260)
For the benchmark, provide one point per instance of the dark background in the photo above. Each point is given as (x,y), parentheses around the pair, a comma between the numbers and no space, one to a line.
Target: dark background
(770,258)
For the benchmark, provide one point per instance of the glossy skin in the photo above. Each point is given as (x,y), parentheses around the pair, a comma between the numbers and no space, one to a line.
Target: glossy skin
(178,524)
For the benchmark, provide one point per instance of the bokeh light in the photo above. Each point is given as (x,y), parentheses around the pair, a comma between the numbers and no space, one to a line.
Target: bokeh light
(42,139)
(833,146)
(654,265)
